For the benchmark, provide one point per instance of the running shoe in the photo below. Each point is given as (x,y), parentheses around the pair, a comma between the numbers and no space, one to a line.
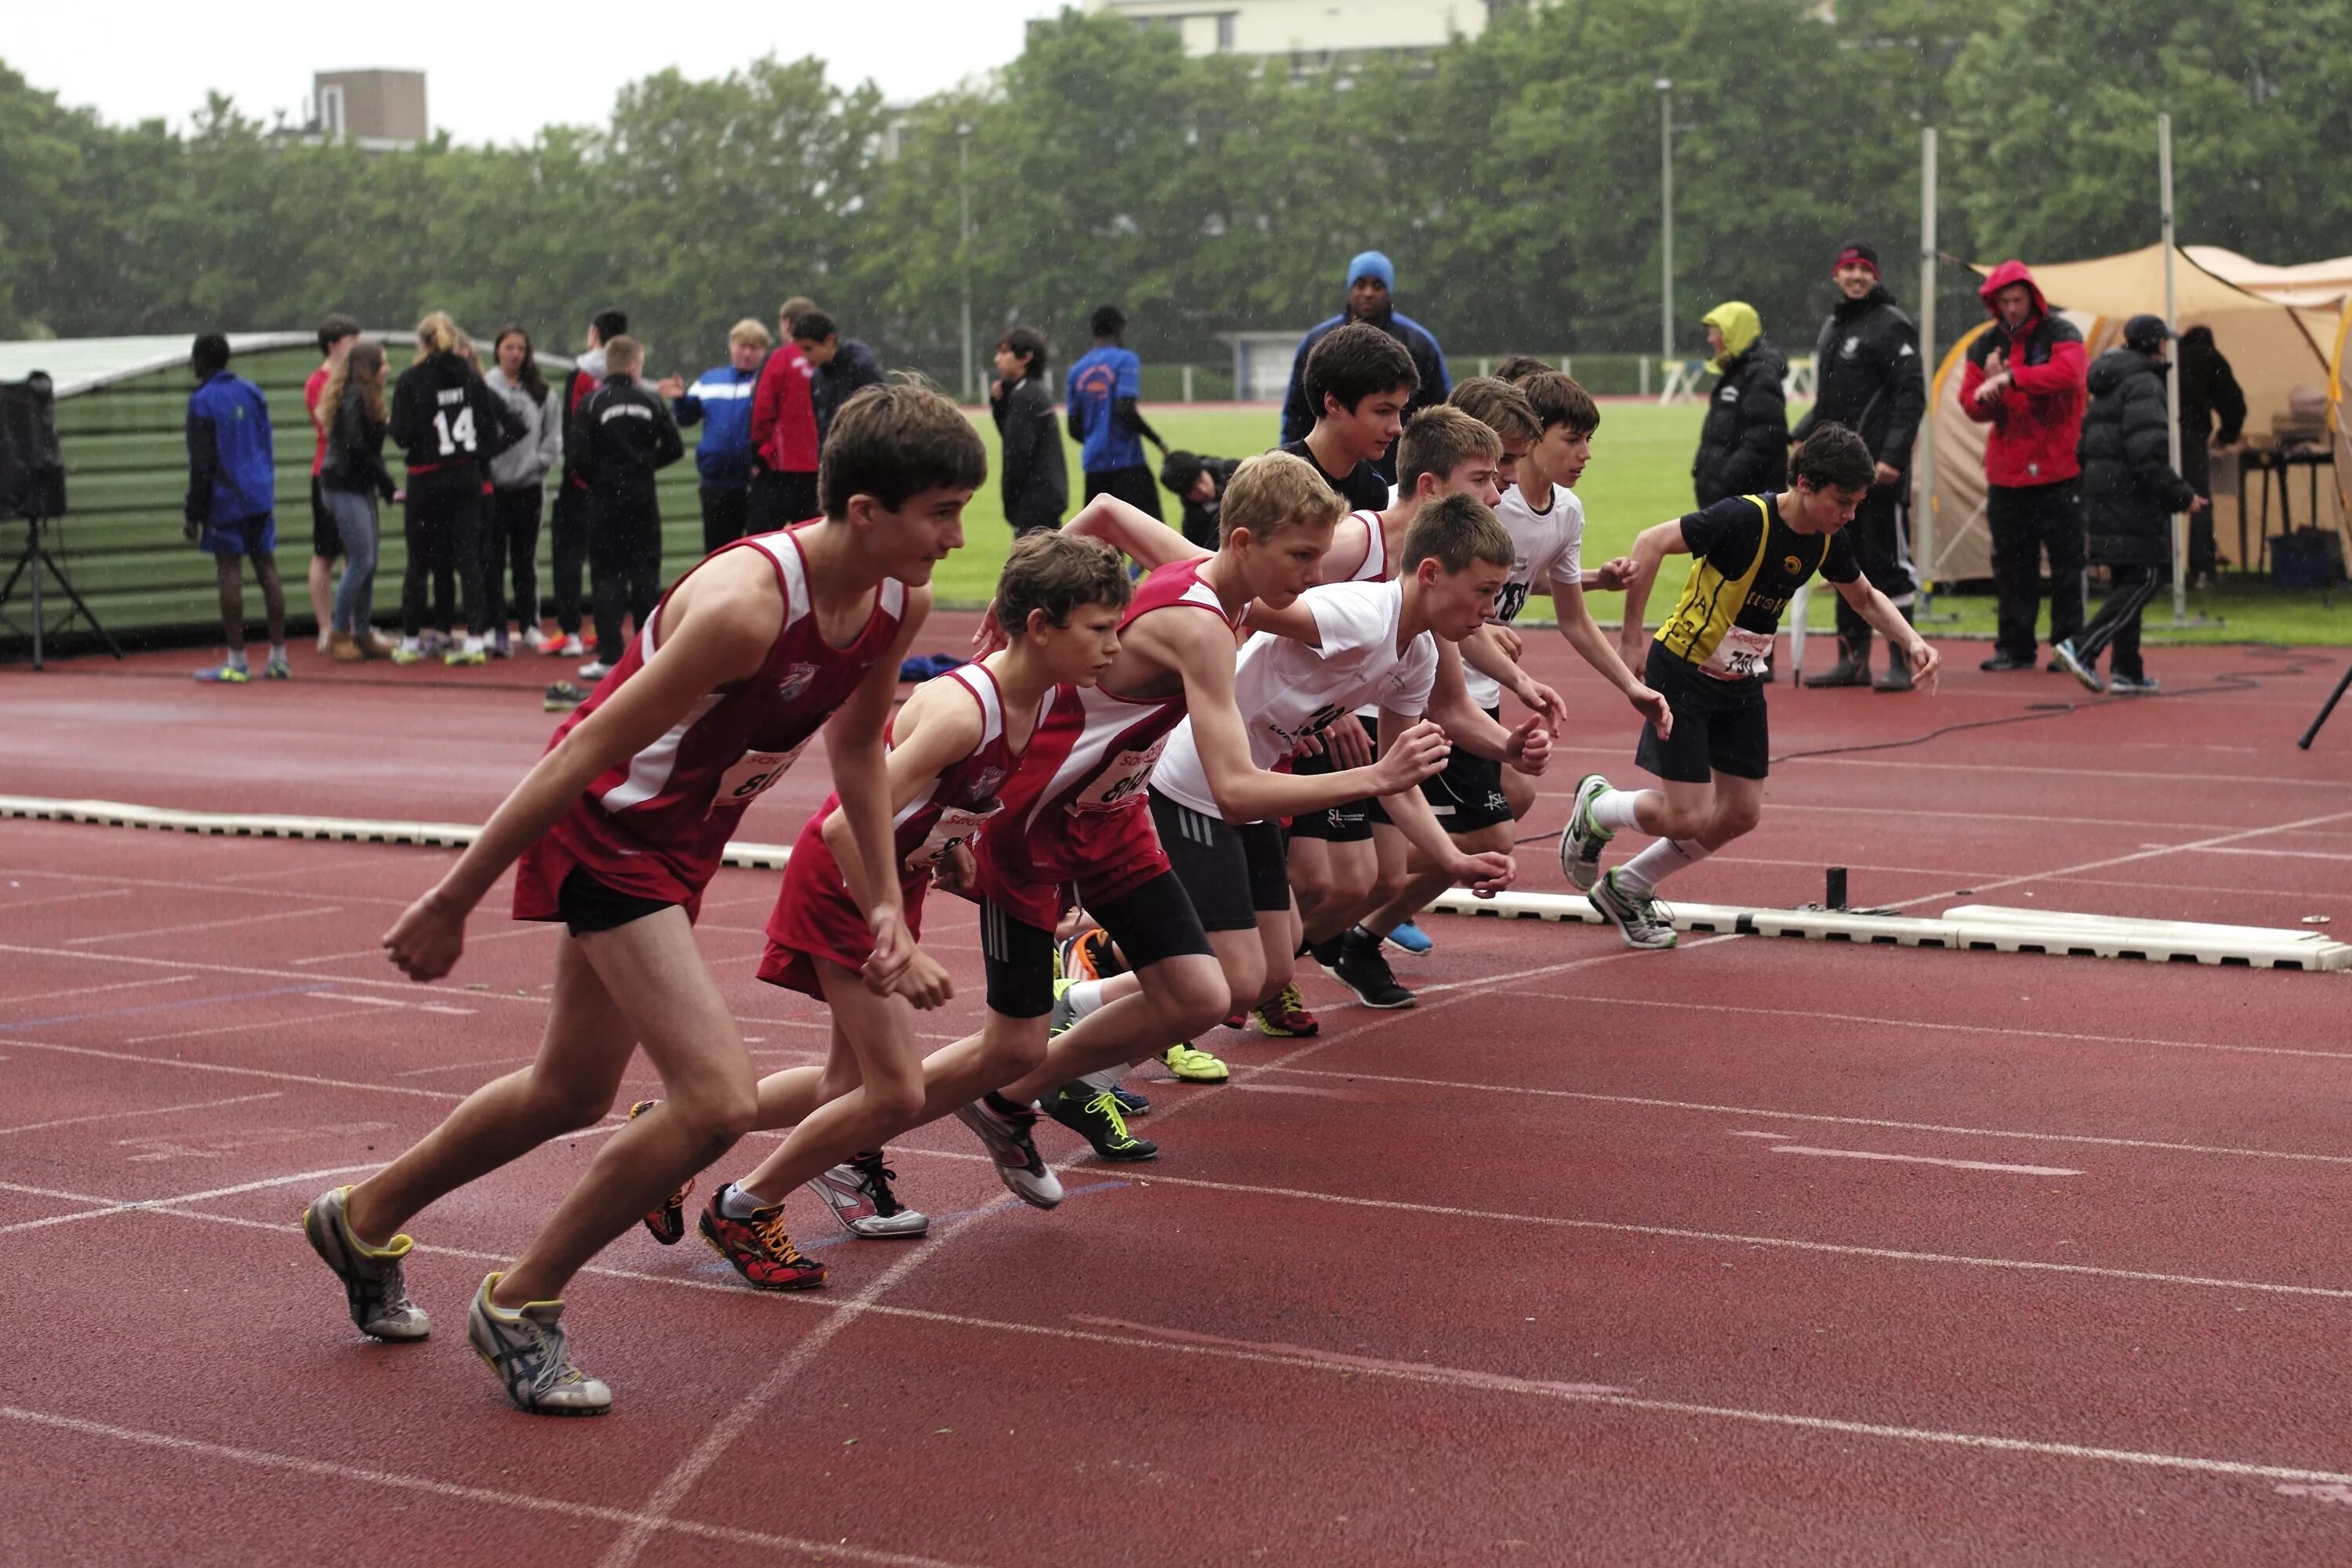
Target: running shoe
(1094,1115)
(1286,1016)
(667,1222)
(277,669)
(405,655)
(570,647)
(501,645)
(433,642)
(1326,953)
(1363,970)
(860,1197)
(1194,1065)
(758,1247)
(1062,1016)
(2132,685)
(562,698)
(1581,840)
(371,1275)
(2063,656)
(466,656)
(1090,955)
(1130,1102)
(1637,916)
(595,669)
(1007,1130)
(225,674)
(528,1350)
(1412,938)
(537,641)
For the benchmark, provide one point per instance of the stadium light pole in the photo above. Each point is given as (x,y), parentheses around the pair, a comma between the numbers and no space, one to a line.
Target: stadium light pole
(1666,219)
(963,242)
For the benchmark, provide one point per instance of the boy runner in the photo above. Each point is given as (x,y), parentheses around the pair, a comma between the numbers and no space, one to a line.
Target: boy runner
(617,830)
(1753,552)
(1359,379)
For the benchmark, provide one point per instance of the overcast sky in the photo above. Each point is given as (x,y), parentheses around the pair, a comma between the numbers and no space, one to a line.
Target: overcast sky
(495,71)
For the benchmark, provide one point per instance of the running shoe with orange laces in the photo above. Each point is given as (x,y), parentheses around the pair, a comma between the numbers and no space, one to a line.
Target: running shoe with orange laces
(758,1247)
(667,1223)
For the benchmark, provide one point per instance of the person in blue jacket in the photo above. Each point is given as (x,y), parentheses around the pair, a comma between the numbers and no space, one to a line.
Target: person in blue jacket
(1371,287)
(230,511)
(1104,420)
(720,402)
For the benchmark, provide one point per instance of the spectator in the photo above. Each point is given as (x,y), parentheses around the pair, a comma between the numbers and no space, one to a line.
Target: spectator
(1105,421)
(720,402)
(1371,285)
(518,487)
(624,435)
(2129,496)
(1036,474)
(1867,377)
(842,365)
(2208,387)
(568,524)
(784,433)
(1743,447)
(337,333)
(1199,484)
(232,496)
(2024,378)
(448,425)
(351,479)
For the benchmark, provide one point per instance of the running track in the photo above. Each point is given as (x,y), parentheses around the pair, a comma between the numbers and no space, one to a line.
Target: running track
(1757,1252)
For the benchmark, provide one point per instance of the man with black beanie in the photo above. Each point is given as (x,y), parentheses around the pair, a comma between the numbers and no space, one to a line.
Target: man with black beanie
(1868,377)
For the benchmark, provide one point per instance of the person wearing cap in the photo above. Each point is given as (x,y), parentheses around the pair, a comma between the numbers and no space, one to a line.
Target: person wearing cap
(1868,378)
(1743,446)
(1371,289)
(2129,496)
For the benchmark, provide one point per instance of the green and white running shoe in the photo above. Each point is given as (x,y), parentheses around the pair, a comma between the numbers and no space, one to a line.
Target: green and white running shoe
(371,1275)
(528,1350)
(1581,840)
(1638,917)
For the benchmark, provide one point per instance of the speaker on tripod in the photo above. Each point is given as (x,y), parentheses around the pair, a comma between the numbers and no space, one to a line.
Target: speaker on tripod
(33,493)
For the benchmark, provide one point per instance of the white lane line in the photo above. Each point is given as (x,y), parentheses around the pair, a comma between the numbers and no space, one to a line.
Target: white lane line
(215,887)
(130,1205)
(527,1501)
(94,990)
(117,1115)
(523,931)
(249,1028)
(2196,846)
(436,1008)
(1774,1137)
(2276,854)
(383,982)
(1924,1160)
(309,1078)
(238,920)
(465,1067)
(362,1001)
(13,905)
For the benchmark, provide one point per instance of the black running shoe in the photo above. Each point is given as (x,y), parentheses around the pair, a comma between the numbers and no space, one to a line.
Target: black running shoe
(1094,1115)
(1326,953)
(1362,969)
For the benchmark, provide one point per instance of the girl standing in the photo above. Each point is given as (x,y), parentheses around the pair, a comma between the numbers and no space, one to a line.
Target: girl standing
(517,489)
(351,476)
(447,424)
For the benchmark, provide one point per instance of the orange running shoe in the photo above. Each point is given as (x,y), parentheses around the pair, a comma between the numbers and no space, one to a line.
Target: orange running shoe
(758,1247)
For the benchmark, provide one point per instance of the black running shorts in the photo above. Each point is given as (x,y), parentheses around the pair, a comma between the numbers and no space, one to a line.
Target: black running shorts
(1231,873)
(1349,822)
(1468,793)
(1719,725)
(586,905)
(1153,922)
(1018,960)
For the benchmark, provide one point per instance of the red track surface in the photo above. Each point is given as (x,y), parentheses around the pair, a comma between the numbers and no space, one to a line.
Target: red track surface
(1614,1288)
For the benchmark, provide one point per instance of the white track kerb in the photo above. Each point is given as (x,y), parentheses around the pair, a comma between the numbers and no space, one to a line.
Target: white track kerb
(1970,928)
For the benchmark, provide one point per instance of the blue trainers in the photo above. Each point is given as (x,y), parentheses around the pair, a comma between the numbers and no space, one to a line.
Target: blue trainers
(225,674)
(1412,937)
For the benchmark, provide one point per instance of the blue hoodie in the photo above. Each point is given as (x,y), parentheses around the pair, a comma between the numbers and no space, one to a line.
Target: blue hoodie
(232,469)
(721,400)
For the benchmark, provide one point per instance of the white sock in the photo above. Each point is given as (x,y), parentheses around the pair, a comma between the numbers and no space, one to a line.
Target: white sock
(235,659)
(411,645)
(473,645)
(735,1203)
(278,653)
(1083,997)
(1614,809)
(1662,859)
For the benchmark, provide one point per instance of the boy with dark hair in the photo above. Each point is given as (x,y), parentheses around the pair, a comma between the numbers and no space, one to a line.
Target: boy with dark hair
(1036,479)
(617,831)
(1198,483)
(1516,368)
(337,333)
(1754,552)
(567,526)
(1104,420)
(232,495)
(784,460)
(624,435)
(843,366)
(1357,380)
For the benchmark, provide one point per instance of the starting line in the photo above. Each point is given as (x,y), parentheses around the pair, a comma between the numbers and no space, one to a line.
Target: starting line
(1971,928)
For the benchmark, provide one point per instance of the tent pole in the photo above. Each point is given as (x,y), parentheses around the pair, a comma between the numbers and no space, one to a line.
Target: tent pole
(2172,371)
(1922,513)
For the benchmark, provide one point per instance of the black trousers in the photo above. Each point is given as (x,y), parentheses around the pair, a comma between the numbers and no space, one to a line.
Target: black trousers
(725,512)
(1134,486)
(1881,536)
(2026,522)
(624,549)
(2197,468)
(2117,626)
(779,501)
(568,536)
(510,554)
(442,526)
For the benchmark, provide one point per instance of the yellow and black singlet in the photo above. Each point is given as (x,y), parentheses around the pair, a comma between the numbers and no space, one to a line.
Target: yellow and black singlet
(1748,565)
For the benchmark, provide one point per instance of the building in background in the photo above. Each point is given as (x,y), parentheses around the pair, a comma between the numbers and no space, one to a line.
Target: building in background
(377,110)
(1312,36)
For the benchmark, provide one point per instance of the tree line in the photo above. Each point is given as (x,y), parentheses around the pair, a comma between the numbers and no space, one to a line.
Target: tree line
(1514,179)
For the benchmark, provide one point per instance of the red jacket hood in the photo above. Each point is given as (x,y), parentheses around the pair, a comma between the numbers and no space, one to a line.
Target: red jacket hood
(2007,273)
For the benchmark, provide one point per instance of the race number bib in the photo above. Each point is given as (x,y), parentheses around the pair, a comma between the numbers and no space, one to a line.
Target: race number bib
(957,825)
(1120,783)
(1740,653)
(754,773)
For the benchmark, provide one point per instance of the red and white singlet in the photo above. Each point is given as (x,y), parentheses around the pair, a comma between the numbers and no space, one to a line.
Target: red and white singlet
(816,917)
(655,826)
(1075,814)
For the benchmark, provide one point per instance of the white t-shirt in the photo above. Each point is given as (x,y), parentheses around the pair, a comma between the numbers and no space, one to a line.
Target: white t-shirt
(1284,689)
(1550,547)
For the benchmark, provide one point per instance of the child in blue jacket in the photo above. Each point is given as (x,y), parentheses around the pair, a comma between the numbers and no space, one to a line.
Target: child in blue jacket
(232,497)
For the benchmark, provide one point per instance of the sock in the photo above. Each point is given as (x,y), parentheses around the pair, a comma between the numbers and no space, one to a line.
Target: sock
(1664,858)
(736,1203)
(235,659)
(1614,809)
(473,644)
(278,653)
(1083,997)
(411,645)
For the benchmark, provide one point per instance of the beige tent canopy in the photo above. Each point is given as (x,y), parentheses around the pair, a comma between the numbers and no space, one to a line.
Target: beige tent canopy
(2280,328)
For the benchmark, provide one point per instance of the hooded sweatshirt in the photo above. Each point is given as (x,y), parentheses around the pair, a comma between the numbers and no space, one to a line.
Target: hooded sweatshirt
(2038,419)
(540,445)
(1428,359)
(1743,447)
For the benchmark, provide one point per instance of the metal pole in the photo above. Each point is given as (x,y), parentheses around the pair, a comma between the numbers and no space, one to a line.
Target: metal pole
(1666,219)
(2172,373)
(963,245)
(1923,517)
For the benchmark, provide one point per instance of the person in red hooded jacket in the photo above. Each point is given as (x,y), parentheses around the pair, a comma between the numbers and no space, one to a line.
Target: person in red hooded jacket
(2024,378)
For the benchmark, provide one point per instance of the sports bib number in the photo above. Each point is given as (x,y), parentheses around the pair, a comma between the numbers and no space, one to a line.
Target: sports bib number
(752,775)
(956,825)
(1509,600)
(1121,781)
(1740,653)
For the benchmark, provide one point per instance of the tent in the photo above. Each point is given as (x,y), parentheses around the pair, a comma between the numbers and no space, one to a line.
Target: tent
(2280,328)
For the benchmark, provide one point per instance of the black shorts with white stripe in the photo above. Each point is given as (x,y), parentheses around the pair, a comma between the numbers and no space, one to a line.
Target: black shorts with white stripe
(1232,873)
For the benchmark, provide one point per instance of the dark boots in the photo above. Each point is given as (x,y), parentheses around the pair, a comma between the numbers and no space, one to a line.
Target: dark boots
(1899,668)
(1853,666)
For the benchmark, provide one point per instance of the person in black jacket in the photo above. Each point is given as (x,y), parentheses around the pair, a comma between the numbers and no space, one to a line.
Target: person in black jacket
(2208,388)
(1371,290)
(448,425)
(1868,378)
(1743,447)
(1035,474)
(624,435)
(843,367)
(1199,483)
(2129,496)
(351,477)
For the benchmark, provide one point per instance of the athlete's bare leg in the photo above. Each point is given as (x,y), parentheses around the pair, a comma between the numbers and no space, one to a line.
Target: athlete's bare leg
(1423,882)
(1173,999)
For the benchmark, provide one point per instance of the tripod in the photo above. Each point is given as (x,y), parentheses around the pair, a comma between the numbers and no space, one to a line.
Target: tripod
(34,558)
(2326,708)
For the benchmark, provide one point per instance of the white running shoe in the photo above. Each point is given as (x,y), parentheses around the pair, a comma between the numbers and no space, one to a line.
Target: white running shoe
(528,1350)
(594,669)
(538,641)
(371,1275)
(859,1196)
(1637,916)
(570,647)
(1008,1137)
(1581,840)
